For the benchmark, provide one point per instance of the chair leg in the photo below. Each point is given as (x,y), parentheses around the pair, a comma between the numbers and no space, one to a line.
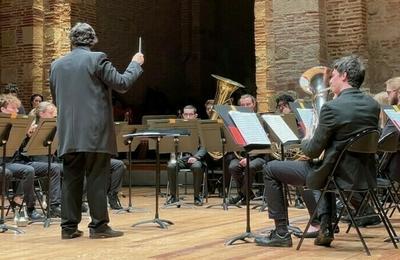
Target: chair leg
(346,204)
(385,219)
(310,220)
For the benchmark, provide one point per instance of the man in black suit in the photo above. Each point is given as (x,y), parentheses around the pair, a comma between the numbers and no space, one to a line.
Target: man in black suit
(340,119)
(81,84)
(193,161)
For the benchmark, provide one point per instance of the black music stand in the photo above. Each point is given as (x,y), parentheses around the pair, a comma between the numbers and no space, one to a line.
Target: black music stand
(44,142)
(127,144)
(157,135)
(283,134)
(177,144)
(248,132)
(215,138)
(10,142)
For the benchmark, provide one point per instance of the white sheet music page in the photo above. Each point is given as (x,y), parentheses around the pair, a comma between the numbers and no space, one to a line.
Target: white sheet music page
(306,115)
(250,127)
(394,116)
(280,128)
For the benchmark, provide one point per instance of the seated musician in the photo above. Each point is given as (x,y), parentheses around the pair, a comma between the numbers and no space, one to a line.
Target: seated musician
(392,88)
(340,119)
(194,161)
(237,166)
(9,104)
(48,110)
(40,164)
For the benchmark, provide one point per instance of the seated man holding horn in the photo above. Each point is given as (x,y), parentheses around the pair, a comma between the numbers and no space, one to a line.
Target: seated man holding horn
(340,119)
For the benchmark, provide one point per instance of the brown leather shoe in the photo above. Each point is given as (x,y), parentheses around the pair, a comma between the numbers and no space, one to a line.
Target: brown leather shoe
(70,234)
(108,232)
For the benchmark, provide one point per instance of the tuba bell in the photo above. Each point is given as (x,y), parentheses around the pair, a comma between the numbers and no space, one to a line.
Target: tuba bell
(314,82)
(225,89)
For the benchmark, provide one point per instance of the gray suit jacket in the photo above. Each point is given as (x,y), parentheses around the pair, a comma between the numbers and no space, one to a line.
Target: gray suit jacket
(340,119)
(81,84)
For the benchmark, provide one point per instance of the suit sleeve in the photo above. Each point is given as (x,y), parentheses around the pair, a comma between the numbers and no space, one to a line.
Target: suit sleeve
(200,153)
(52,87)
(326,127)
(115,80)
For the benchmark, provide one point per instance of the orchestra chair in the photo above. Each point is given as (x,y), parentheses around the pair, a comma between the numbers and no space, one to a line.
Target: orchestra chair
(390,200)
(365,142)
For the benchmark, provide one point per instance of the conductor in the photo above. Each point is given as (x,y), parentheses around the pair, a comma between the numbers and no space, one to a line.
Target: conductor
(81,83)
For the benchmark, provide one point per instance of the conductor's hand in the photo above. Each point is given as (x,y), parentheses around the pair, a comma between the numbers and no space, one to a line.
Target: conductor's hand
(139,58)
(192,160)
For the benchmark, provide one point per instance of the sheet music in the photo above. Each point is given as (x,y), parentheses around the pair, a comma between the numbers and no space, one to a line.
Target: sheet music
(306,115)
(280,128)
(394,116)
(250,127)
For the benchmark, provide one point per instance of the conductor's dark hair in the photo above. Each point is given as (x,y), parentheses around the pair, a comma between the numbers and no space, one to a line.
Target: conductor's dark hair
(82,34)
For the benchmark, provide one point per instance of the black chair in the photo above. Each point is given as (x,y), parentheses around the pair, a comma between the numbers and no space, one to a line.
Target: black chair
(390,200)
(365,142)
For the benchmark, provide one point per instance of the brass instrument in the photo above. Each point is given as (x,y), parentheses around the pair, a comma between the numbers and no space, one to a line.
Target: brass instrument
(225,89)
(313,82)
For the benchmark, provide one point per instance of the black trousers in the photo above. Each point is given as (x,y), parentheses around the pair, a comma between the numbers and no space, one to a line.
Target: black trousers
(293,173)
(96,168)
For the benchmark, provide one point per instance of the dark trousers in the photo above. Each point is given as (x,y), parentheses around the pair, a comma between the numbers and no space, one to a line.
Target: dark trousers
(96,168)
(293,173)
(197,170)
(238,172)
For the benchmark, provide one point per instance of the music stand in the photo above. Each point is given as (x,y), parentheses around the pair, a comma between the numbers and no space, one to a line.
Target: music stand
(44,142)
(215,138)
(157,135)
(248,132)
(127,144)
(178,144)
(10,142)
(283,134)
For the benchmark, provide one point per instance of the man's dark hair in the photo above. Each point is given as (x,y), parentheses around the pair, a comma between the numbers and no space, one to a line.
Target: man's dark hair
(353,67)
(285,98)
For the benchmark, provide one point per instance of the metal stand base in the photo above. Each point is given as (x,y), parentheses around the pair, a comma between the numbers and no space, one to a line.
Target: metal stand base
(163,223)
(240,237)
(177,204)
(131,210)
(4,228)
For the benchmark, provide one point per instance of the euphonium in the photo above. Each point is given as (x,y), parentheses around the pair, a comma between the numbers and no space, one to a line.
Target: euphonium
(225,89)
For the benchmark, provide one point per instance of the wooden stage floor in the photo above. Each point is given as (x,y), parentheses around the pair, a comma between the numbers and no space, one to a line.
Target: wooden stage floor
(197,233)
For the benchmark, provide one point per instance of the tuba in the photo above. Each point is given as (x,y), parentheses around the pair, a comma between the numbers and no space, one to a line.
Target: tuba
(314,83)
(225,89)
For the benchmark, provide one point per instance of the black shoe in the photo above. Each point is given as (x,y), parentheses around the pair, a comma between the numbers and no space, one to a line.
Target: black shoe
(324,238)
(235,200)
(363,221)
(84,207)
(34,215)
(70,234)
(114,201)
(274,240)
(107,232)
(55,211)
(172,200)
(198,201)
(298,204)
